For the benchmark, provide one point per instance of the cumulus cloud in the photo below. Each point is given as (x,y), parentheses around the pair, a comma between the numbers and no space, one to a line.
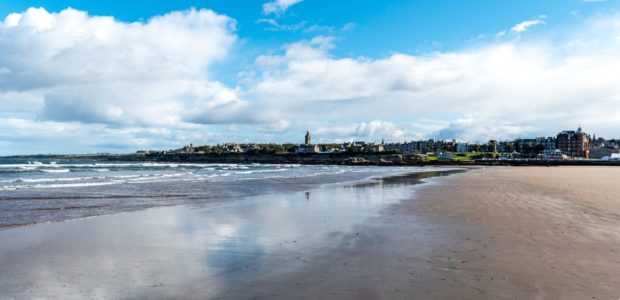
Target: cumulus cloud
(18,135)
(511,88)
(95,69)
(477,130)
(69,77)
(278,7)
(73,82)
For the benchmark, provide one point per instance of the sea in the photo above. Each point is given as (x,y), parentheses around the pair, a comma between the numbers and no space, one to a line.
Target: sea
(36,190)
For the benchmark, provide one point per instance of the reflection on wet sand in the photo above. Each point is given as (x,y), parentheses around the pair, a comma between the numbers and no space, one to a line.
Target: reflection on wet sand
(232,249)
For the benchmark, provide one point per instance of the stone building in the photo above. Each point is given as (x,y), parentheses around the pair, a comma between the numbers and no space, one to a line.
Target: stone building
(308,147)
(574,143)
(308,139)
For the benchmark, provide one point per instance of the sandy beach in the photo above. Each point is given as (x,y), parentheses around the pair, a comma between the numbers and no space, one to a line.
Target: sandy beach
(495,233)
(499,233)
(528,233)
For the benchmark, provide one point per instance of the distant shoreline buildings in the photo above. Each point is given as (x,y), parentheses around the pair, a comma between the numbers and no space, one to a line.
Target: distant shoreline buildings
(567,144)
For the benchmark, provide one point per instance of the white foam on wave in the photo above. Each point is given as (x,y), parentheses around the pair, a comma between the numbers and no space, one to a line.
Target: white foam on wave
(124,176)
(19,168)
(111,164)
(291,165)
(144,172)
(261,171)
(55,171)
(35,180)
(62,185)
(159,165)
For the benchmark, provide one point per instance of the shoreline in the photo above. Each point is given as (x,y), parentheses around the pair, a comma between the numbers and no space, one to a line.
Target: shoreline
(269,186)
(334,159)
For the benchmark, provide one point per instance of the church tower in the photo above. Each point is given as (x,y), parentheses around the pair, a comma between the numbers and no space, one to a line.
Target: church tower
(308,138)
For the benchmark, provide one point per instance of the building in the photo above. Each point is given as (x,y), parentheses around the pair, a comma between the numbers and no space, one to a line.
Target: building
(399,147)
(574,143)
(462,147)
(601,152)
(556,155)
(308,149)
(445,156)
(187,149)
(232,148)
(308,139)
(356,147)
(549,144)
(375,148)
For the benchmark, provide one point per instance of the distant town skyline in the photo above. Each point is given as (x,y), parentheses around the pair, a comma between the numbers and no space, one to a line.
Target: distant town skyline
(86,77)
(566,145)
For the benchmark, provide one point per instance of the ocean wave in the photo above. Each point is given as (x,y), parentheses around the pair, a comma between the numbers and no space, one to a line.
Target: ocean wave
(261,171)
(158,165)
(291,165)
(125,176)
(62,185)
(34,180)
(55,171)
(154,176)
(86,173)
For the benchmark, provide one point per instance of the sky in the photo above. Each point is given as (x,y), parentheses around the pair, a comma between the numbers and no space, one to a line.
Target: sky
(121,76)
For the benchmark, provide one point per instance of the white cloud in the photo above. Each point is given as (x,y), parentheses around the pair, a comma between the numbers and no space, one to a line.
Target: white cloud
(525,25)
(476,130)
(69,79)
(44,137)
(278,7)
(499,90)
(276,26)
(99,70)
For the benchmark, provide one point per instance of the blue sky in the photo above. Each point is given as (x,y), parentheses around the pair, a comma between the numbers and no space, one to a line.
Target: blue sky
(344,69)
(382,26)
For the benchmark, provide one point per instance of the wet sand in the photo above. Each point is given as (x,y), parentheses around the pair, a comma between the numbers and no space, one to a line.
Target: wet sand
(499,233)
(527,233)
